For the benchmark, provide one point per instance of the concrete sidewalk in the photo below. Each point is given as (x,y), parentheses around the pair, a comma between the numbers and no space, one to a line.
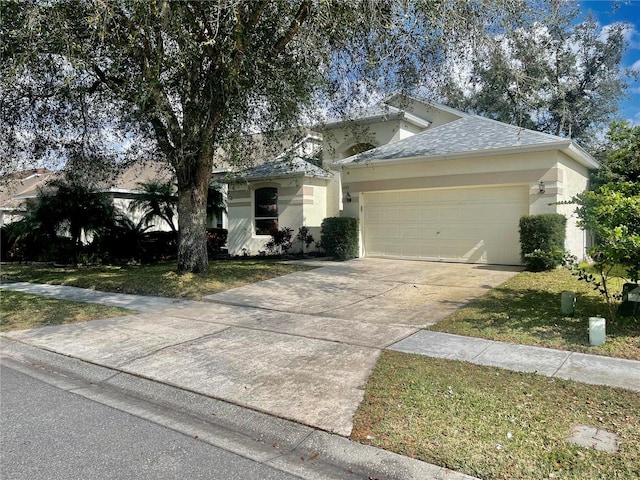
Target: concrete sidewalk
(580,367)
(138,303)
(287,446)
(592,369)
(307,367)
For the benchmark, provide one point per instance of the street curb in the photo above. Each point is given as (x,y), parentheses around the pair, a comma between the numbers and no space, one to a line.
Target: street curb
(282,444)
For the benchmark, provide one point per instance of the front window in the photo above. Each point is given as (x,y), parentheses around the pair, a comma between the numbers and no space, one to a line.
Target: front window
(266,210)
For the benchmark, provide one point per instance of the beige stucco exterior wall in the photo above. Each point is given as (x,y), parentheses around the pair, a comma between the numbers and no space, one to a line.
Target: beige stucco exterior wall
(576,180)
(563,177)
(300,202)
(336,141)
(433,114)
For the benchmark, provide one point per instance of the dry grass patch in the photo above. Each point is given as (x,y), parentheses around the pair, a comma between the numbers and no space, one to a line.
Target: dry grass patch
(495,424)
(160,279)
(526,310)
(20,311)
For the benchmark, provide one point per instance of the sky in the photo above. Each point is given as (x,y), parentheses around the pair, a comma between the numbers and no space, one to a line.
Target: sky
(629,12)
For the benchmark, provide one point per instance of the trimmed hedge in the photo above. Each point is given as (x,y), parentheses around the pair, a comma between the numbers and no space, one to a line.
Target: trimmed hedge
(339,237)
(542,241)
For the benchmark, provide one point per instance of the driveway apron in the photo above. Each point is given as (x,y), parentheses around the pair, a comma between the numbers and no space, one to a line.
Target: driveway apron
(299,346)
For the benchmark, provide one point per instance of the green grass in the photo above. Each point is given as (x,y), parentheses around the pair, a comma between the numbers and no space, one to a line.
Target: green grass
(19,311)
(159,279)
(526,310)
(495,424)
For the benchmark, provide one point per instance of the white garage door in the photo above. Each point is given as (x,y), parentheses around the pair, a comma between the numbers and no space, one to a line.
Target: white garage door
(475,225)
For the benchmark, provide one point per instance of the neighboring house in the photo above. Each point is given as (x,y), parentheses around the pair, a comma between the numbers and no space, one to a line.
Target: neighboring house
(123,190)
(427,182)
(17,190)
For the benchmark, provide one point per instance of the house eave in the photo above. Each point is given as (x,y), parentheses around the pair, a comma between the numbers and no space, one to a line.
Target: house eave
(417,121)
(262,178)
(581,156)
(125,191)
(563,145)
(363,121)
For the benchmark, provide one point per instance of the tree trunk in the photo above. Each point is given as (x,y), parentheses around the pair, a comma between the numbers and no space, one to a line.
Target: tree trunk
(192,217)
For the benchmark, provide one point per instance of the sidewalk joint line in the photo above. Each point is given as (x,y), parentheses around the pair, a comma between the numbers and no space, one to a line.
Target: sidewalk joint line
(490,343)
(562,364)
(146,355)
(417,329)
(361,300)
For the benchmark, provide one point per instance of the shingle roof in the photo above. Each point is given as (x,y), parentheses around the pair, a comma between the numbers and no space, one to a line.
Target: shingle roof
(286,167)
(467,135)
(12,197)
(25,185)
(131,177)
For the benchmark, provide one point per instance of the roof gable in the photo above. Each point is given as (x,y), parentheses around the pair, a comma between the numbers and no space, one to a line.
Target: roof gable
(283,168)
(396,107)
(468,136)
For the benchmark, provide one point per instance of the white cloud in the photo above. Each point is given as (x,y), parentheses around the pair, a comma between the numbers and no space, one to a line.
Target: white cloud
(632,35)
(629,31)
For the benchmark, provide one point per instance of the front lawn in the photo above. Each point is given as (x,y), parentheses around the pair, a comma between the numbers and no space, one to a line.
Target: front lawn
(495,424)
(160,279)
(19,311)
(526,310)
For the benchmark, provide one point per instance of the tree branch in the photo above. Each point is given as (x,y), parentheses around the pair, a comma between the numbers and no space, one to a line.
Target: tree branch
(257,13)
(303,12)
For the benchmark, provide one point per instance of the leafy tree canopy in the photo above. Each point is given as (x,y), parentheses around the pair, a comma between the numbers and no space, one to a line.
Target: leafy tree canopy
(122,80)
(620,160)
(554,75)
(611,211)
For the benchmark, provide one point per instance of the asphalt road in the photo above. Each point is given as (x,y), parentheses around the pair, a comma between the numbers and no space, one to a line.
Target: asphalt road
(48,433)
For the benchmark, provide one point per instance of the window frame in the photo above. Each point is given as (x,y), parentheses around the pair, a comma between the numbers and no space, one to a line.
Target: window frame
(262,216)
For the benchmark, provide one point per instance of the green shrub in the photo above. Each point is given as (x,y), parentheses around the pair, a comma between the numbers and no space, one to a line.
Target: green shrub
(21,241)
(159,245)
(216,241)
(280,241)
(304,237)
(339,237)
(542,241)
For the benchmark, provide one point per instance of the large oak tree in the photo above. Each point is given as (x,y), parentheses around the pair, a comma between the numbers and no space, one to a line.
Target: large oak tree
(120,80)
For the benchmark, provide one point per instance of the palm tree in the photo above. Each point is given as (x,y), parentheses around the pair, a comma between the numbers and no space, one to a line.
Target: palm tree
(65,208)
(157,200)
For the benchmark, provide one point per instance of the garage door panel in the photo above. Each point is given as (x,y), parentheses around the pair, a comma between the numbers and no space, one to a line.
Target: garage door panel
(450,213)
(375,216)
(477,225)
(411,233)
(410,214)
(428,214)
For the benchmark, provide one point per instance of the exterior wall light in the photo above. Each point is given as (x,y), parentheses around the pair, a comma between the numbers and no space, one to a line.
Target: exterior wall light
(347,197)
(541,188)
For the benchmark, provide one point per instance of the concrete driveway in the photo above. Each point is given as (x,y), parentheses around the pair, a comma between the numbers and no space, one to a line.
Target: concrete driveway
(299,346)
(373,290)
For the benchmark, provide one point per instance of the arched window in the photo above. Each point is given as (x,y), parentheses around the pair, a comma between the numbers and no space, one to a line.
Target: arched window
(265,210)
